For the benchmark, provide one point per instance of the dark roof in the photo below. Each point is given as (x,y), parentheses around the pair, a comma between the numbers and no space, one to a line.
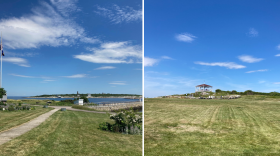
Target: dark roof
(203,85)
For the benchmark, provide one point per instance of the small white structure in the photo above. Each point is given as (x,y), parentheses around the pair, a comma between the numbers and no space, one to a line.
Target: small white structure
(79,102)
(4,99)
(89,95)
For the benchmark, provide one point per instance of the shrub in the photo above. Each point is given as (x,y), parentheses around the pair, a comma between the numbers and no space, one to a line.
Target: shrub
(19,104)
(126,121)
(11,108)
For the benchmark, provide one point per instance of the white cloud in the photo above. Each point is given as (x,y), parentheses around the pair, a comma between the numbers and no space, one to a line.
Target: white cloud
(253,32)
(276,83)
(118,83)
(43,27)
(230,65)
(185,37)
(167,57)
(277,55)
(262,81)
(16,60)
(249,59)
(22,76)
(105,67)
(118,15)
(261,70)
(278,47)
(65,7)
(150,61)
(49,80)
(24,54)
(113,52)
(76,76)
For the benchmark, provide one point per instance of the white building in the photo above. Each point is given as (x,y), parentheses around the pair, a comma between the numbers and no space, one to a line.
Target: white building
(79,102)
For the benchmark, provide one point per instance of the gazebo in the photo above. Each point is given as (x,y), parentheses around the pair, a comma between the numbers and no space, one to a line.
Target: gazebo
(203,88)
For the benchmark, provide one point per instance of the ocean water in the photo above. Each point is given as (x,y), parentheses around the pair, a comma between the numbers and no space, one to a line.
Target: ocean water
(94,100)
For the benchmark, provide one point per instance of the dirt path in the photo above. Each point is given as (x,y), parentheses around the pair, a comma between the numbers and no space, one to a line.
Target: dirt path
(8,135)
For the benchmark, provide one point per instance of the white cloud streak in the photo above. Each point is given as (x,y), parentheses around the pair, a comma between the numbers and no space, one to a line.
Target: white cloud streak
(65,7)
(16,60)
(118,15)
(118,83)
(185,37)
(253,71)
(277,55)
(278,47)
(150,61)
(230,65)
(249,59)
(167,57)
(22,76)
(76,76)
(43,27)
(113,52)
(276,83)
(105,67)
(253,32)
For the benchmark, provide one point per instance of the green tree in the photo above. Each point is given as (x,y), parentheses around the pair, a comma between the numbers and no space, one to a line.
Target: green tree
(233,92)
(85,99)
(2,92)
(218,90)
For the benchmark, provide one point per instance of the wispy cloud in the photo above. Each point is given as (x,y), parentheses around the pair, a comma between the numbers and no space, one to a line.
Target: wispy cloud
(185,37)
(105,67)
(278,47)
(249,59)
(277,55)
(43,27)
(118,15)
(66,7)
(230,65)
(150,61)
(118,83)
(276,83)
(262,81)
(167,57)
(113,52)
(261,70)
(16,60)
(253,32)
(24,54)
(76,76)
(22,76)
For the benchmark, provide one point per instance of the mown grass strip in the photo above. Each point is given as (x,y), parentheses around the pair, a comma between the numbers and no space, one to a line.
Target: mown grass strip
(73,133)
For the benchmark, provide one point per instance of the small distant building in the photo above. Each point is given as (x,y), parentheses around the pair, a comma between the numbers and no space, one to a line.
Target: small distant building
(89,95)
(78,94)
(4,99)
(79,102)
(203,88)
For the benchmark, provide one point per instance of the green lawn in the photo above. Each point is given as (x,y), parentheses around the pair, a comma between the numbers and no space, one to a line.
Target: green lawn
(246,126)
(73,133)
(15,118)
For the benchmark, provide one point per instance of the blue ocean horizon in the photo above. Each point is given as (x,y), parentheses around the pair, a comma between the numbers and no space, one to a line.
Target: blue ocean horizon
(93,100)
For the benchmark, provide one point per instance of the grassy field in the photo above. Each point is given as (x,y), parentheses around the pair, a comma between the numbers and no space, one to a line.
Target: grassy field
(245,126)
(15,118)
(37,102)
(73,133)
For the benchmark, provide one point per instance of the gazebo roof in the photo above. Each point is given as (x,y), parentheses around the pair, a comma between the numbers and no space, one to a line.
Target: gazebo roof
(203,85)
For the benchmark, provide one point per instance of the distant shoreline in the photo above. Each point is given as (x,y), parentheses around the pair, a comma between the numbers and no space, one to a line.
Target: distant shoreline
(125,97)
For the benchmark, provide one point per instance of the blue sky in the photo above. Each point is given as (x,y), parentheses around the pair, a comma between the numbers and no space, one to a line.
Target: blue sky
(65,46)
(230,45)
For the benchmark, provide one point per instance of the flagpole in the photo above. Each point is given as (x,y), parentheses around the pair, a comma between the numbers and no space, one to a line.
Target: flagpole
(1,61)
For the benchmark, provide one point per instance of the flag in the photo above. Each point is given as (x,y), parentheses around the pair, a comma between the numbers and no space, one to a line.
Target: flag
(3,53)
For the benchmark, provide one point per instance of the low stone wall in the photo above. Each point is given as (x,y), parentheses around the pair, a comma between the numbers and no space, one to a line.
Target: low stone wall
(116,106)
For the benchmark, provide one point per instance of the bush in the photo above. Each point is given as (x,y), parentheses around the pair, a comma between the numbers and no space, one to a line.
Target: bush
(126,121)
(11,108)
(19,104)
